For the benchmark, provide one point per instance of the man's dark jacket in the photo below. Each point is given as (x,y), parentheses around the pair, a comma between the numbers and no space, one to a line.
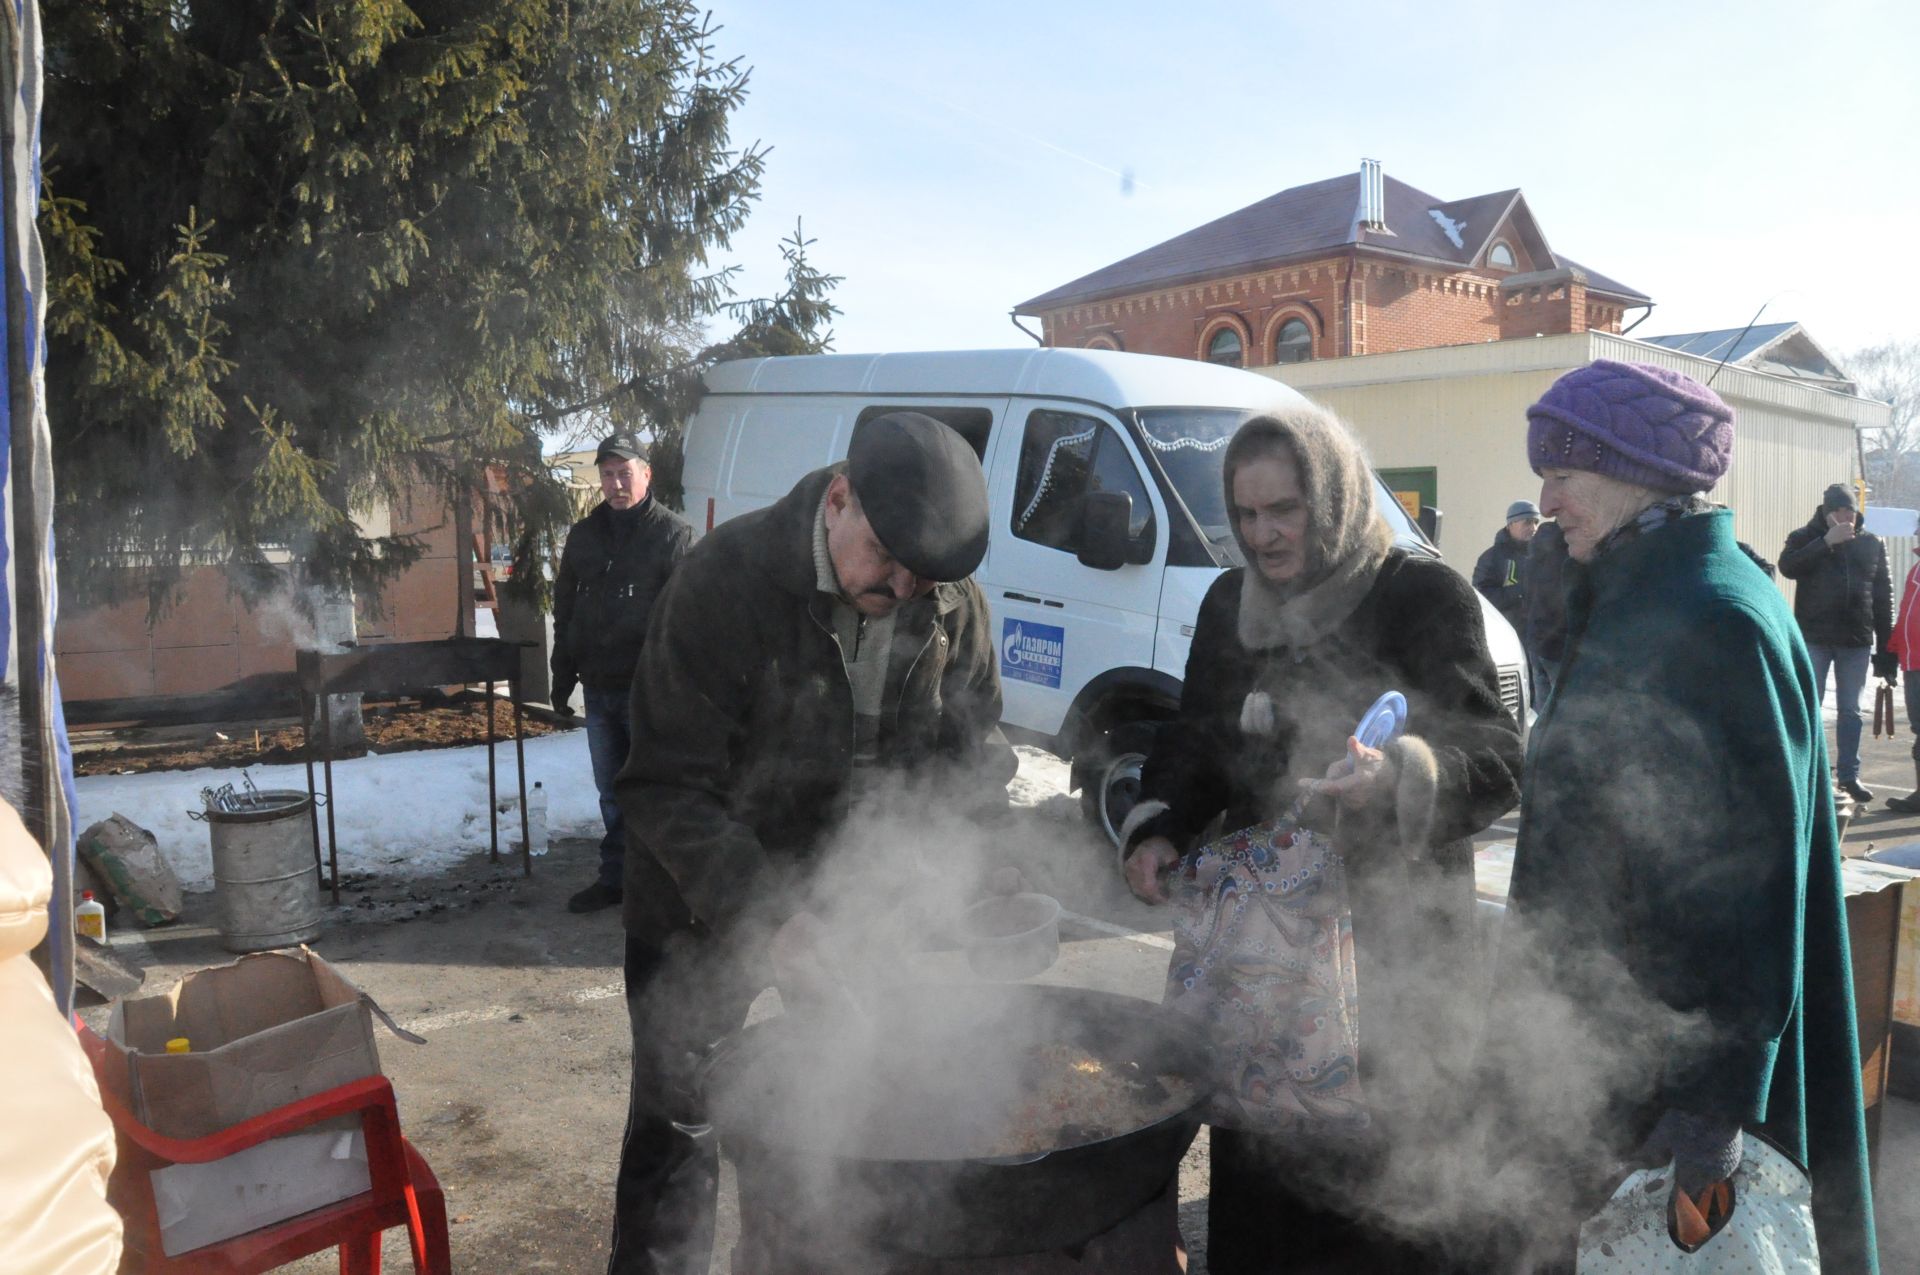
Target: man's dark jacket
(1500,576)
(611,574)
(1544,575)
(743,722)
(1845,594)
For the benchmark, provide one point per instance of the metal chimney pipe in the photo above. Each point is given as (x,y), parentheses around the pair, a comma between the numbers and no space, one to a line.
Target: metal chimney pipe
(1373,195)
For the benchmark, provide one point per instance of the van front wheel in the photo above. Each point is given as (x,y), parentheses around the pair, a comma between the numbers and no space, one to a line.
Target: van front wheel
(1110,776)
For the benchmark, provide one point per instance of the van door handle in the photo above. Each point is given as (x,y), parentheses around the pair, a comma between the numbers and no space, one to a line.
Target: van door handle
(1021,597)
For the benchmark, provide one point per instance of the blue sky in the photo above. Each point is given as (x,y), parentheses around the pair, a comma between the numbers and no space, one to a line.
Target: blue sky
(952,160)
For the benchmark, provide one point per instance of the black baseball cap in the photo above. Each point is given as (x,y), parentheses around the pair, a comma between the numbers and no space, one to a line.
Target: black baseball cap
(923,493)
(624,445)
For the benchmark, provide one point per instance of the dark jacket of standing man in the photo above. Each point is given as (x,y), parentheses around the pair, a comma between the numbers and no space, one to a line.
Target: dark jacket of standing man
(1844,603)
(822,649)
(1500,574)
(616,562)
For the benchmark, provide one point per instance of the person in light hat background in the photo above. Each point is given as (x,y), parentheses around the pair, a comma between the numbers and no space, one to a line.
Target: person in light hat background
(1675,945)
(1844,603)
(616,561)
(806,656)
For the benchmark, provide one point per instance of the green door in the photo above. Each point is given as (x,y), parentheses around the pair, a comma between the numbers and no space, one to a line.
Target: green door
(1413,488)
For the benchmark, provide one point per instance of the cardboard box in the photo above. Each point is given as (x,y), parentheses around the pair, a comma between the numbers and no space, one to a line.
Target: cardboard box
(267,1030)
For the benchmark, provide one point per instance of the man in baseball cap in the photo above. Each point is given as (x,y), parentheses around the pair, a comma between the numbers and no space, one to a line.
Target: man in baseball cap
(1844,605)
(807,659)
(616,561)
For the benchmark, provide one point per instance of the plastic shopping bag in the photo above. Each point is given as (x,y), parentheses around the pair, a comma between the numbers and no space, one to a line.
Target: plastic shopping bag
(1770,1231)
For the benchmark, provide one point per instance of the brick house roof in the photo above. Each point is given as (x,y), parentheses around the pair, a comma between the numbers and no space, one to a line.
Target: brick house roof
(1319,217)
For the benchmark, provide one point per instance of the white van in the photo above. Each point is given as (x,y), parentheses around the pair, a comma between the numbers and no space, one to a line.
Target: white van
(1109,523)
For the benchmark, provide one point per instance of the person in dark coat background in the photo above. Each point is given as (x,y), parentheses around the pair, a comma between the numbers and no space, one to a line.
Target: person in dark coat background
(1288,653)
(1844,604)
(1673,968)
(1545,633)
(616,561)
(1500,574)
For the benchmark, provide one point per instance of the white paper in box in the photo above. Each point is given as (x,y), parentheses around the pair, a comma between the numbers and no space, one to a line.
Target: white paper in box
(201,1204)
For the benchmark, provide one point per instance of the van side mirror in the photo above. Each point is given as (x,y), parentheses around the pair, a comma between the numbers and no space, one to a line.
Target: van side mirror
(1104,518)
(1429,521)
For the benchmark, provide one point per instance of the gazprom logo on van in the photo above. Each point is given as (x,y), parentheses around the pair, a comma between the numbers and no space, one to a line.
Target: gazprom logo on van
(1032,652)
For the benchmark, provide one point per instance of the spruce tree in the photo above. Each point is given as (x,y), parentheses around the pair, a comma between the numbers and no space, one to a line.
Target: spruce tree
(306,255)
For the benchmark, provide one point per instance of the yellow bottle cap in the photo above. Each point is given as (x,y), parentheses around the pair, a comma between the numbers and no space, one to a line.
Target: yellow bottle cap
(179,1045)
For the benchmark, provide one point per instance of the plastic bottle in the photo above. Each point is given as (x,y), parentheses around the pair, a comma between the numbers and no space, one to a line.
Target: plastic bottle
(179,1045)
(537,819)
(90,917)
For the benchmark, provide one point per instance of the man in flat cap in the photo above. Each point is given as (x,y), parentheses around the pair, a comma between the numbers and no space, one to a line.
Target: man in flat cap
(805,655)
(616,561)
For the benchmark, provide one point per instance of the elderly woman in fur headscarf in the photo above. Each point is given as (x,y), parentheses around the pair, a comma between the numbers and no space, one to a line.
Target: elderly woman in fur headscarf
(1288,653)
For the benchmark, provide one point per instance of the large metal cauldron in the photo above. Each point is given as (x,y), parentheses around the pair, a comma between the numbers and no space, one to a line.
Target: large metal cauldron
(855,1132)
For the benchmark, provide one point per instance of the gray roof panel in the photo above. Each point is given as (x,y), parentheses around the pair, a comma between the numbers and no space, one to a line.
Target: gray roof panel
(1728,345)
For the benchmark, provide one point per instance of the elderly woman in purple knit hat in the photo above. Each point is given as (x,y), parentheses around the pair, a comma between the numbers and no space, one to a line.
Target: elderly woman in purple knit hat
(1673,973)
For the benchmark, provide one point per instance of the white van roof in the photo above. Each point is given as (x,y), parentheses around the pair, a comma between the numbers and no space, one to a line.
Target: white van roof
(1095,376)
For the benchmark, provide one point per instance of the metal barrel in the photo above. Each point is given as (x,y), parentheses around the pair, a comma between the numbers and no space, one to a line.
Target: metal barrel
(266,887)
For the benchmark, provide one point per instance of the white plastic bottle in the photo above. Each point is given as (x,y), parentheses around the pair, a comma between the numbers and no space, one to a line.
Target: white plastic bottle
(90,917)
(537,819)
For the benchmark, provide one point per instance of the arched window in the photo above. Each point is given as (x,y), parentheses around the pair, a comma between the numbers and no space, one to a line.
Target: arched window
(1500,257)
(1293,343)
(1225,349)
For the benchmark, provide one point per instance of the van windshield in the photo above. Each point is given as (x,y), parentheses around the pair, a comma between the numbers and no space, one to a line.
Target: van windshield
(1190,446)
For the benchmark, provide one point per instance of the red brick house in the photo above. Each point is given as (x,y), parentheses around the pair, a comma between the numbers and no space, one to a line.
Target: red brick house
(1358,264)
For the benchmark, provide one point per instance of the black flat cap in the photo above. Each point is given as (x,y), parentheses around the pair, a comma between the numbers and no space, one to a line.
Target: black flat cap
(923,492)
(625,446)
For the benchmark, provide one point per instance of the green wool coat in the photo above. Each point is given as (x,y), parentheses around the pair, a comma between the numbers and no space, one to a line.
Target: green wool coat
(1677,873)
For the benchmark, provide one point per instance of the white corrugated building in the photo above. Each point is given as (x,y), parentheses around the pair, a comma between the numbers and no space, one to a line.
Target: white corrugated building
(1447,427)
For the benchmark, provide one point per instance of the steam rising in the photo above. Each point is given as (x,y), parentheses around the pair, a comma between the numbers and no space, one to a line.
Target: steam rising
(1477,1151)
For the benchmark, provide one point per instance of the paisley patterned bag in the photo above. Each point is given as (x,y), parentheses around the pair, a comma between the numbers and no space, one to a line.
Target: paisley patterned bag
(1263,964)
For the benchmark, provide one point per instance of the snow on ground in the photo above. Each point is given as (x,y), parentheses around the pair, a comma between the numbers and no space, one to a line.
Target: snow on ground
(409,814)
(394,814)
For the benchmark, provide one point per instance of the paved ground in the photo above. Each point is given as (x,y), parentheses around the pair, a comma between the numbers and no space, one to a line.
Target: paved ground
(518,1097)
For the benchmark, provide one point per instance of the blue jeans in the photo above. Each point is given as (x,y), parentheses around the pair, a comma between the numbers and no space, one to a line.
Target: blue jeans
(609,736)
(1849,665)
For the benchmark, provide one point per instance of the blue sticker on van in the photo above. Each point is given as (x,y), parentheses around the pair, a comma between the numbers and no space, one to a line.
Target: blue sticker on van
(1032,652)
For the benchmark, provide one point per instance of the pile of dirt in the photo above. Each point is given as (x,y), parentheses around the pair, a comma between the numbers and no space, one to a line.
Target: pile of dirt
(390,728)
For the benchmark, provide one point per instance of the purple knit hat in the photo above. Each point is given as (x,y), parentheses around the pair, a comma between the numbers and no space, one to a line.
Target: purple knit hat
(1631,421)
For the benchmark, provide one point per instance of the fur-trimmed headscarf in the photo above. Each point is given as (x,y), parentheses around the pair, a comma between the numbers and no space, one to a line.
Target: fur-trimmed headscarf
(1347,539)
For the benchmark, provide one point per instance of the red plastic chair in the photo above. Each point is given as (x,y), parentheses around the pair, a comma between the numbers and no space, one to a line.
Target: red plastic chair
(404,1191)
